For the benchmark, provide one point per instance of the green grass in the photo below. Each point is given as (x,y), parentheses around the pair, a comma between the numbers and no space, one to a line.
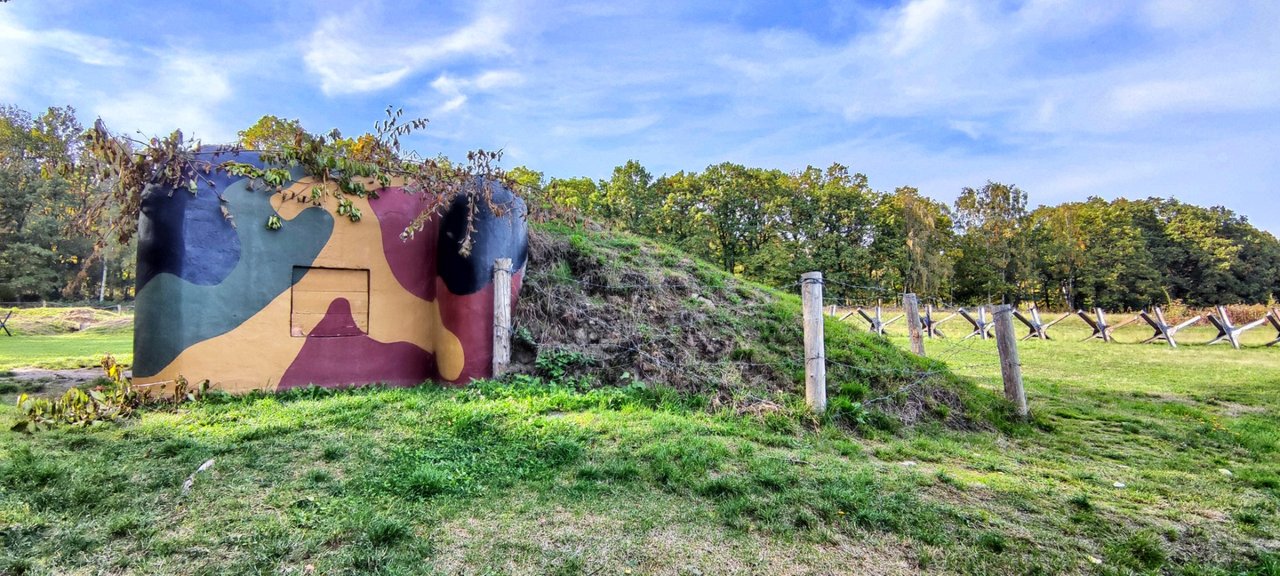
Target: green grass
(534,478)
(1139,460)
(1193,434)
(62,351)
(62,338)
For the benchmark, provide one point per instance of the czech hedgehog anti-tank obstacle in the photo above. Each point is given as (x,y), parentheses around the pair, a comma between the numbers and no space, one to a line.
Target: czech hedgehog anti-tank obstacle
(1163,330)
(1227,330)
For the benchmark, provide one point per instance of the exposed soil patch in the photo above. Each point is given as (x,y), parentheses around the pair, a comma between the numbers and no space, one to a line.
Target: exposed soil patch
(1234,410)
(650,323)
(41,382)
(613,309)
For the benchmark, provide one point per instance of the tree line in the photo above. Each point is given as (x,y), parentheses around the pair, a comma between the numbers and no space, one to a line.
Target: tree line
(45,252)
(989,246)
(764,224)
(70,197)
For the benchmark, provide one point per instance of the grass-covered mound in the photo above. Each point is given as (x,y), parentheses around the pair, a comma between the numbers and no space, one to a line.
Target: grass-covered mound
(609,308)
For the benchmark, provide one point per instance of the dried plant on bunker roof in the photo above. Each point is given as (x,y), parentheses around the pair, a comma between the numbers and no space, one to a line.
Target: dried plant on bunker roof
(129,167)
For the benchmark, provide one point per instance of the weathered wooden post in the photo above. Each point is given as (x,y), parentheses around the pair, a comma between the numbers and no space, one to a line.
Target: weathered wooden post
(815,357)
(912,308)
(501,315)
(1010,366)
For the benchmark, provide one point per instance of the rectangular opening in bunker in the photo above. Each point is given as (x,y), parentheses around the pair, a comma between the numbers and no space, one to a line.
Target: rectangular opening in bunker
(329,302)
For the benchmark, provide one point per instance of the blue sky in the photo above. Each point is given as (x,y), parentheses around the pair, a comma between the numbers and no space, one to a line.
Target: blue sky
(1064,98)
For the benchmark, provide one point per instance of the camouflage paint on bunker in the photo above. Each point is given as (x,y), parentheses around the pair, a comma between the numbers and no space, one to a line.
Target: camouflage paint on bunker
(320,301)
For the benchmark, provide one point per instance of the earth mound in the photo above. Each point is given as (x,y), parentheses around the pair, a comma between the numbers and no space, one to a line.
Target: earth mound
(608,309)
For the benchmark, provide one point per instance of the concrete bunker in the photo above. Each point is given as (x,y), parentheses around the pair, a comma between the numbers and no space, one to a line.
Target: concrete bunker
(321,300)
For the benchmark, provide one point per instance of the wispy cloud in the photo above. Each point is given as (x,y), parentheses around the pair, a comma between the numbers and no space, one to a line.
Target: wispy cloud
(86,48)
(456,90)
(604,127)
(185,90)
(131,86)
(351,53)
(25,47)
(1066,98)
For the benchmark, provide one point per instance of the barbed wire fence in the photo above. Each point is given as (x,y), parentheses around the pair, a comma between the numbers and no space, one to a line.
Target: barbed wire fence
(651,355)
(645,356)
(869,297)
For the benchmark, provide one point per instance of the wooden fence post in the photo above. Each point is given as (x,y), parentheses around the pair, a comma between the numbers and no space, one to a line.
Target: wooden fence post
(501,315)
(1010,366)
(912,307)
(815,357)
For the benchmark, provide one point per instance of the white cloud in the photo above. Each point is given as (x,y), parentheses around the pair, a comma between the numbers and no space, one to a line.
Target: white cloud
(1185,15)
(130,87)
(604,127)
(184,92)
(455,90)
(967,127)
(495,79)
(1064,97)
(85,48)
(24,47)
(919,23)
(352,53)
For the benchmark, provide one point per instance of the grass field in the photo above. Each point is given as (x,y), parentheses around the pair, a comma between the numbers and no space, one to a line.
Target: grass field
(58,351)
(1140,460)
(59,338)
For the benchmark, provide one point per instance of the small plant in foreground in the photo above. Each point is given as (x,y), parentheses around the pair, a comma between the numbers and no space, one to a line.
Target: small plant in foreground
(428,481)
(556,364)
(1081,502)
(333,452)
(992,541)
(1141,551)
(100,404)
(384,532)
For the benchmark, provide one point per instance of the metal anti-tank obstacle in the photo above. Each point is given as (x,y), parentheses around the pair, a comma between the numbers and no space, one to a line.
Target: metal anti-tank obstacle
(876,323)
(1228,331)
(1274,319)
(1163,330)
(930,325)
(981,326)
(1036,325)
(1101,329)
(1097,321)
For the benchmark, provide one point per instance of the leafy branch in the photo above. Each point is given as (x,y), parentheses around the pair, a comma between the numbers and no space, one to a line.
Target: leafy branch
(340,167)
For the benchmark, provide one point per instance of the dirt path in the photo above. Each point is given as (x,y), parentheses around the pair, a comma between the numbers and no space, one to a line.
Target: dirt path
(41,382)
